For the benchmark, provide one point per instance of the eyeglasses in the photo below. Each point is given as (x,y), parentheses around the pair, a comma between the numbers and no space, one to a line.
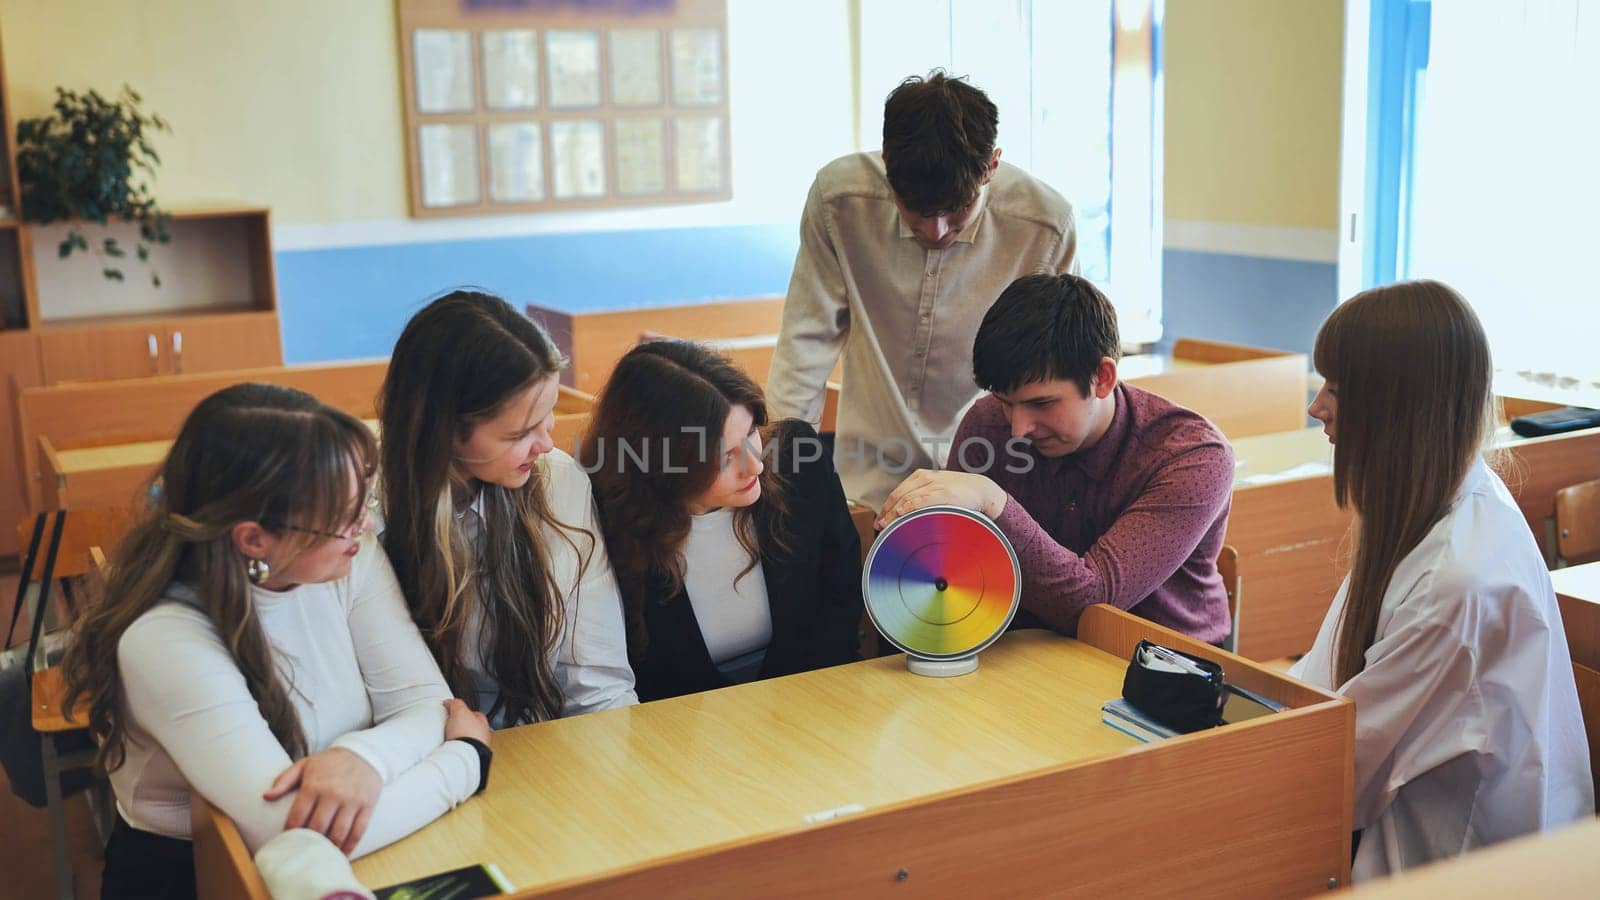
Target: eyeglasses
(353,533)
(365,525)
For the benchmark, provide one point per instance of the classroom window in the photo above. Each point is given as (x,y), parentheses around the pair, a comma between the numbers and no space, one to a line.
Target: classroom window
(1078,89)
(1399,46)
(1480,169)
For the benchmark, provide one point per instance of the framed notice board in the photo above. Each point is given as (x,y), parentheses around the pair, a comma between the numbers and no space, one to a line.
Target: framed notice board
(532,105)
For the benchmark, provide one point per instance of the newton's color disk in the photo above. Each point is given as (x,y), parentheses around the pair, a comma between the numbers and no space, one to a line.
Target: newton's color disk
(941,583)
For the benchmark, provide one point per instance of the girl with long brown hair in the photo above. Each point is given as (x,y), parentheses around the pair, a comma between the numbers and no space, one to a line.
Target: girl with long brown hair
(1446,632)
(491,528)
(735,563)
(252,645)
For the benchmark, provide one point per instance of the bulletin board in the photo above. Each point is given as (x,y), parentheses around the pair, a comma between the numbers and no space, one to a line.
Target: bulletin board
(515,106)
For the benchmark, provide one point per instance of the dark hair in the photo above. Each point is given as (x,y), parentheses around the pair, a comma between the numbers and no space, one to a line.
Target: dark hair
(1045,327)
(249,452)
(671,394)
(1416,406)
(456,364)
(938,139)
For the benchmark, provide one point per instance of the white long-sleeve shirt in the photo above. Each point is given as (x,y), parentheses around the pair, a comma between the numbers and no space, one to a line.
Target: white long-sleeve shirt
(590,661)
(1468,730)
(358,674)
(903,316)
(734,614)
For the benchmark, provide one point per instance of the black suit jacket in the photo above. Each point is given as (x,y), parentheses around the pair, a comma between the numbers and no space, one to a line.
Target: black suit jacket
(814,592)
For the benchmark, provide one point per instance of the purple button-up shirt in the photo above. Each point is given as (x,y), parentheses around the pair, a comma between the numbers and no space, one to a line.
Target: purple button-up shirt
(1135,521)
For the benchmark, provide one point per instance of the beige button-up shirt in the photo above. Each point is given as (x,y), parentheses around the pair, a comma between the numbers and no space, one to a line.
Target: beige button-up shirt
(903,316)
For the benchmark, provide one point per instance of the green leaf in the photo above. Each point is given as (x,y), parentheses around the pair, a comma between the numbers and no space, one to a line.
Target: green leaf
(79,162)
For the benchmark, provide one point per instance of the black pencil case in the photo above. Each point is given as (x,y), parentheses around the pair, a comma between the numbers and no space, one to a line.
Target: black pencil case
(1556,421)
(1186,700)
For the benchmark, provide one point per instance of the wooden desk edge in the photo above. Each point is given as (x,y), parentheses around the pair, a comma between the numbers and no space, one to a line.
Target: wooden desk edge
(1103,627)
(750,859)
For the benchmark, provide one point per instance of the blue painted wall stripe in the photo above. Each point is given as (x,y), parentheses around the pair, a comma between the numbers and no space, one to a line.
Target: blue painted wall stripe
(1275,303)
(351,302)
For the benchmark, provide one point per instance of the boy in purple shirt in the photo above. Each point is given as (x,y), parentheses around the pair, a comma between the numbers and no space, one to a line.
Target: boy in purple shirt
(1109,493)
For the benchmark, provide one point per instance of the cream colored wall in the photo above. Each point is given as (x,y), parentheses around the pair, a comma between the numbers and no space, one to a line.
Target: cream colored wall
(289,103)
(1252,111)
(295,104)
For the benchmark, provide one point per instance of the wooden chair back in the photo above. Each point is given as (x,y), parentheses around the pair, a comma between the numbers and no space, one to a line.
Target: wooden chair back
(572,400)
(86,528)
(568,429)
(1228,568)
(862,517)
(1578,523)
(223,866)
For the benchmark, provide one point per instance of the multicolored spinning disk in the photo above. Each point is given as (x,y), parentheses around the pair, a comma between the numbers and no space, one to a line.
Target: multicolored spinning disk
(941,583)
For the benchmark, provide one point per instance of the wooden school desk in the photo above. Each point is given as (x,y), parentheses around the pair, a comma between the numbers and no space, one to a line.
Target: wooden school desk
(94,443)
(1293,540)
(1242,390)
(1578,592)
(108,475)
(866,780)
(1288,534)
(1561,863)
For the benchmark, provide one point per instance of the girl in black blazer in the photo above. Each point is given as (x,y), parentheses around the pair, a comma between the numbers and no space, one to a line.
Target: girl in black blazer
(732,543)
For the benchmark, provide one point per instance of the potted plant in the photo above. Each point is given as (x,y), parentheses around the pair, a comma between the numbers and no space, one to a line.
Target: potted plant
(80,164)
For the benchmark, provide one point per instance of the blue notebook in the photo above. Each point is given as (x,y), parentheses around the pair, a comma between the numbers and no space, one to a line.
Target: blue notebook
(1121,715)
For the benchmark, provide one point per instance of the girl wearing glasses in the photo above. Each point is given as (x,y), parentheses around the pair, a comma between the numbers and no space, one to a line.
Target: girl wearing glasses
(1446,633)
(735,549)
(491,528)
(253,646)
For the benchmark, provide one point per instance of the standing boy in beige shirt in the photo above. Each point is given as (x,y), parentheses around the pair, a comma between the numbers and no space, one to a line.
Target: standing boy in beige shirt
(901,254)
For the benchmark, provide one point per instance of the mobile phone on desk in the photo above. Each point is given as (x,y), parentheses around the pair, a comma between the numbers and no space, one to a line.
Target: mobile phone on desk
(1242,705)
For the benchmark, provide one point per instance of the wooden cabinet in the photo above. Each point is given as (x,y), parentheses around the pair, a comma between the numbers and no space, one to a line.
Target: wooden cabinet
(215,308)
(243,340)
(171,346)
(96,353)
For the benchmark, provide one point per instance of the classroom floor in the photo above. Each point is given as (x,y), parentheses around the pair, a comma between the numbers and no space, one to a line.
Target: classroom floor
(26,859)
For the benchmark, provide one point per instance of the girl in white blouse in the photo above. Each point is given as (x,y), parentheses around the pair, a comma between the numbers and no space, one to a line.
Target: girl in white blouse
(1446,632)
(491,528)
(253,646)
